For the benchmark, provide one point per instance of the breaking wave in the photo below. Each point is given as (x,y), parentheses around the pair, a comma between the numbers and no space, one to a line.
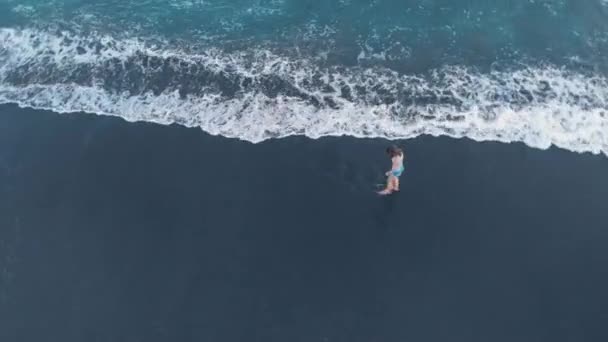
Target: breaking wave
(257,94)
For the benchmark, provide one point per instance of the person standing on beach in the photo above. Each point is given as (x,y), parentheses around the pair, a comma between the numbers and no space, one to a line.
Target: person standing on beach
(392,183)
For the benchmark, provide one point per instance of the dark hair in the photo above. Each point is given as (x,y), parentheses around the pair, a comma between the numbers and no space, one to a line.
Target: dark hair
(394,151)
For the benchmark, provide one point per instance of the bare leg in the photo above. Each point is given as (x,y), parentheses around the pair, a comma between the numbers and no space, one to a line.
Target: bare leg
(389,186)
(395,184)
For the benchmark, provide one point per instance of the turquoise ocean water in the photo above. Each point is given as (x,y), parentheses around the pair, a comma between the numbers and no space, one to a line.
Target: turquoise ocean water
(532,71)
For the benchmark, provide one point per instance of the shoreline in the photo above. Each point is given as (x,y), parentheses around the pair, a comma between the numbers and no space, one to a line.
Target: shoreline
(15,106)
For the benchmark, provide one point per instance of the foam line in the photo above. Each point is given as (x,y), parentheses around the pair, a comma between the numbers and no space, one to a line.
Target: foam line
(256,95)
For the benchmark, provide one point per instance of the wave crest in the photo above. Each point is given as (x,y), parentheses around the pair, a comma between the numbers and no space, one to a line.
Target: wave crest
(257,94)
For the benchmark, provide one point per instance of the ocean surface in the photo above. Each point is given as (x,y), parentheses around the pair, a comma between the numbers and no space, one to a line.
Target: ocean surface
(205,170)
(113,231)
(531,71)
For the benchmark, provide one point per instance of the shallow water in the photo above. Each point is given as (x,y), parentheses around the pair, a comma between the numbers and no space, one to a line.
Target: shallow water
(529,71)
(117,231)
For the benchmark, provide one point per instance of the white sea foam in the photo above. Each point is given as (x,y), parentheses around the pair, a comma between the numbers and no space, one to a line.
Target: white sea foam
(540,106)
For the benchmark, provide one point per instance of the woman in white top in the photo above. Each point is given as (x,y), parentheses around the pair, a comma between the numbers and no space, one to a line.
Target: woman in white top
(397,156)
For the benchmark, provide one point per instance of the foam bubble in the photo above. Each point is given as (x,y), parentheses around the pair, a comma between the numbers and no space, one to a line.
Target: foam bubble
(257,95)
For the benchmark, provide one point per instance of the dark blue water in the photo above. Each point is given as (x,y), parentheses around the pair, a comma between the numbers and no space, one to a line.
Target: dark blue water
(113,231)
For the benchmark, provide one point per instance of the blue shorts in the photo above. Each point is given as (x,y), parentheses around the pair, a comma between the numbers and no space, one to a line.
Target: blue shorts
(398,172)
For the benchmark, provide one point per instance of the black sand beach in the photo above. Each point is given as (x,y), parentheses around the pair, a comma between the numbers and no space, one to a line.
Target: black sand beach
(116,231)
